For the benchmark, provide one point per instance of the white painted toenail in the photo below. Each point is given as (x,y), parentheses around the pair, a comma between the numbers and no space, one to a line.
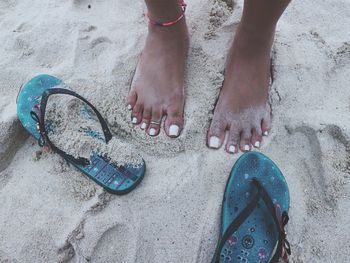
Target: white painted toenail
(246,148)
(214,142)
(232,149)
(152,132)
(266,133)
(134,120)
(257,144)
(173,130)
(143,126)
(129,107)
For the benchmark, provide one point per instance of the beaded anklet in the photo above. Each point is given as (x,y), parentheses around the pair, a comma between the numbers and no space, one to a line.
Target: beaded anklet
(169,23)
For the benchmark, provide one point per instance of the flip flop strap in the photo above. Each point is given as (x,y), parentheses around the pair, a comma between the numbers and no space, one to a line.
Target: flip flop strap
(44,133)
(283,245)
(283,248)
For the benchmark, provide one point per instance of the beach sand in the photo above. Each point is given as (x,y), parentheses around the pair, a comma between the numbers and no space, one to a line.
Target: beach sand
(51,213)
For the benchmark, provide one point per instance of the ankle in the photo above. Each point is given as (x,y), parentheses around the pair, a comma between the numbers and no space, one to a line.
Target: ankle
(175,25)
(164,11)
(177,31)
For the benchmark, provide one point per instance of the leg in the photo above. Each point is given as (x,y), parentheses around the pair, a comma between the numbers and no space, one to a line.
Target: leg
(242,107)
(157,88)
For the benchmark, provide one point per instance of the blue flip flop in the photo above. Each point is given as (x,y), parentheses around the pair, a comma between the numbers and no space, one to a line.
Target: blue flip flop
(31,106)
(254,213)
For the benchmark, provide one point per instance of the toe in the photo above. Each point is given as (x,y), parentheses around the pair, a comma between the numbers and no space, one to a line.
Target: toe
(174,121)
(245,140)
(216,134)
(136,115)
(131,100)
(256,137)
(266,124)
(155,122)
(146,118)
(232,143)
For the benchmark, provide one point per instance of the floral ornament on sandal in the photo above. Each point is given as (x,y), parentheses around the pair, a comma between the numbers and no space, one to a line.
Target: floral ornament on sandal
(169,23)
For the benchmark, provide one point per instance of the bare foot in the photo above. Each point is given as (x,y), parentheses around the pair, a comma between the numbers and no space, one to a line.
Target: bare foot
(157,89)
(242,108)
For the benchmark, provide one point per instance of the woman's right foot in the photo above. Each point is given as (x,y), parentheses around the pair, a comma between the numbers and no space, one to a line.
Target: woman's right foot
(157,89)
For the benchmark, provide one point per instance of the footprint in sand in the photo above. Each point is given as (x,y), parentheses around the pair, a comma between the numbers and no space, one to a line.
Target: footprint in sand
(112,246)
(23,47)
(317,173)
(321,195)
(12,135)
(91,49)
(99,45)
(340,55)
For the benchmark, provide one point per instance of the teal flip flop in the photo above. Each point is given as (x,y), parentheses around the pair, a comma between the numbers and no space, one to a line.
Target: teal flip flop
(254,213)
(31,106)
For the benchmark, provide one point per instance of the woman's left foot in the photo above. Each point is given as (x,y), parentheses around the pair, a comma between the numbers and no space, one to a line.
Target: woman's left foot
(242,108)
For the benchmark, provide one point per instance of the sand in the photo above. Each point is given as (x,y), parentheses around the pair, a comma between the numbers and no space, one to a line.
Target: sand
(51,213)
(71,124)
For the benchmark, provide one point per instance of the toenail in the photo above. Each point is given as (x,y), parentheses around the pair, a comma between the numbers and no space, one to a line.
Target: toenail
(129,107)
(266,133)
(257,144)
(214,142)
(143,126)
(134,120)
(246,147)
(232,149)
(152,132)
(173,130)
